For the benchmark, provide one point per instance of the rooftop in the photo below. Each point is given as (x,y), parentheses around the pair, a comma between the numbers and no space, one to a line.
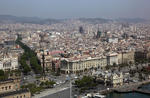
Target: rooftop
(14,93)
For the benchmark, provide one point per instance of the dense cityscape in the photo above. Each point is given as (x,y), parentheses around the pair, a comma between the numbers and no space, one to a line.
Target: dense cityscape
(73,58)
(74,49)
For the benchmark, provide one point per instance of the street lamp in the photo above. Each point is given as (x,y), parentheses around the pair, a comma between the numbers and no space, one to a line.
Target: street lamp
(70,85)
(70,89)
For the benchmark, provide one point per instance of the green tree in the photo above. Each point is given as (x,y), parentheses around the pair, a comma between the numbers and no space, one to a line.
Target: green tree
(1,73)
(28,55)
(86,81)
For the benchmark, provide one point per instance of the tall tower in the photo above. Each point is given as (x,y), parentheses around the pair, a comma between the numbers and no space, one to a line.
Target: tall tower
(43,56)
(81,30)
(99,33)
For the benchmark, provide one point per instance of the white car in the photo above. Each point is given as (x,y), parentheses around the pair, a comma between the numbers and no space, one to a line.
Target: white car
(85,97)
(57,83)
(76,77)
(54,85)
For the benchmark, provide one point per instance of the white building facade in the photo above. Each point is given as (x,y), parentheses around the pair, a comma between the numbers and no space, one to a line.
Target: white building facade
(9,62)
(75,66)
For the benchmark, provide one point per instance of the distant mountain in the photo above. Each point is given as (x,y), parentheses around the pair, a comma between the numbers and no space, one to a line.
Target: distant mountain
(35,20)
(132,20)
(95,20)
(122,20)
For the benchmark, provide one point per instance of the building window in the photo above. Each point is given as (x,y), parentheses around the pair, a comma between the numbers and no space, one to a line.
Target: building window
(9,87)
(2,88)
(6,88)
(20,96)
(24,96)
(16,86)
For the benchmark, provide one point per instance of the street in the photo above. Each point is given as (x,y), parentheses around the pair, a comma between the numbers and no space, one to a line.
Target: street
(63,88)
(61,94)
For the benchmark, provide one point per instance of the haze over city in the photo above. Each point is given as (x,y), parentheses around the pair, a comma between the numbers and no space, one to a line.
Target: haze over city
(61,9)
(74,49)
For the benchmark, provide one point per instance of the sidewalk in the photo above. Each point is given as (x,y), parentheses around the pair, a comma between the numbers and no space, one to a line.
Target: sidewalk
(47,92)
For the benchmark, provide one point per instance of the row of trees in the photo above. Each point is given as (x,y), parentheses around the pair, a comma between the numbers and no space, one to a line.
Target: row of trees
(47,84)
(3,76)
(37,89)
(86,83)
(9,74)
(29,56)
(33,88)
(25,68)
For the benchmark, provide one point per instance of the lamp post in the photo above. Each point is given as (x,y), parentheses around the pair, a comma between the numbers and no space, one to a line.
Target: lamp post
(70,85)
(70,89)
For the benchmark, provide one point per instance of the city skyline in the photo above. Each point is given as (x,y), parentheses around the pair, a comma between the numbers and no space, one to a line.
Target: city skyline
(77,9)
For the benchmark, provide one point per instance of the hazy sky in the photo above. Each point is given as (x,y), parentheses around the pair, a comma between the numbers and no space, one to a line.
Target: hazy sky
(77,8)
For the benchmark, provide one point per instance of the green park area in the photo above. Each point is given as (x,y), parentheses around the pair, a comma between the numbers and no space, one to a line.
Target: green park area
(28,59)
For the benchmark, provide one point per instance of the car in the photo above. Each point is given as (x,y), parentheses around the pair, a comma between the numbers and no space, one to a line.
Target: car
(57,83)
(85,97)
(60,82)
(54,85)
(75,77)
(63,81)
(75,96)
